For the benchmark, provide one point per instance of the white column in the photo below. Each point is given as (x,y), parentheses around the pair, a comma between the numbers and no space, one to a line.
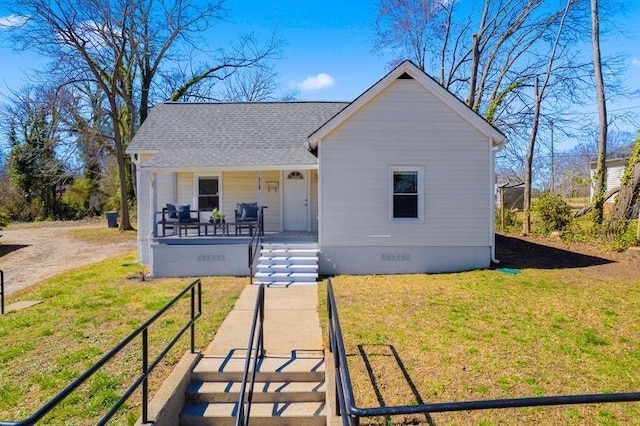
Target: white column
(259,195)
(154,204)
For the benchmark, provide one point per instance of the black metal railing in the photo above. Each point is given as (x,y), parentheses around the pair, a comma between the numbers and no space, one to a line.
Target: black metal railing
(351,414)
(1,292)
(195,288)
(256,243)
(255,352)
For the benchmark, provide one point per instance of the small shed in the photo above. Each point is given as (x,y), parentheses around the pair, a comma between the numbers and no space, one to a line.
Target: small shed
(510,196)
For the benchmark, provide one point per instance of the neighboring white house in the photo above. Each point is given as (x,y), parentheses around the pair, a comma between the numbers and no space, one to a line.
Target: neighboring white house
(400,180)
(615,164)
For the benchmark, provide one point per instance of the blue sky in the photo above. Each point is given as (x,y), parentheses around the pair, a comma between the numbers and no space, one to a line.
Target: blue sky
(328,44)
(330,39)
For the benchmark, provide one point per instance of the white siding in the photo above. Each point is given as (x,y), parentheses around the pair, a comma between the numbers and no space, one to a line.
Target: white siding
(184,189)
(144,217)
(613,177)
(242,187)
(313,175)
(405,126)
(166,189)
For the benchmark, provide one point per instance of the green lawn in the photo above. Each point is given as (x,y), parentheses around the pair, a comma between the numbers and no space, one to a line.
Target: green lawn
(84,314)
(487,334)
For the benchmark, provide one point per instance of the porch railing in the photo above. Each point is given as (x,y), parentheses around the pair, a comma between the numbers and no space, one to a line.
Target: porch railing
(255,352)
(195,290)
(351,414)
(256,243)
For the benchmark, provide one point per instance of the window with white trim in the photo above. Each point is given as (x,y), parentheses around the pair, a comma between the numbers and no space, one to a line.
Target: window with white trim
(208,193)
(406,193)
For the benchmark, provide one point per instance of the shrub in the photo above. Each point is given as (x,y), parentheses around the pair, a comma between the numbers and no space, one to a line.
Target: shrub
(4,218)
(553,211)
(511,222)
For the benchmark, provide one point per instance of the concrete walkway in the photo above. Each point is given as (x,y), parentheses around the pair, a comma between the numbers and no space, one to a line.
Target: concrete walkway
(291,322)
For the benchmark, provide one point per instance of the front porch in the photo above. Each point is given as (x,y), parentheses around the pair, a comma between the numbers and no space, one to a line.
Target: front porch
(200,255)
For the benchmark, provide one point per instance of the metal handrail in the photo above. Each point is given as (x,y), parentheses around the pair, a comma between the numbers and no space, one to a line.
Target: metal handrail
(256,242)
(257,326)
(345,401)
(147,368)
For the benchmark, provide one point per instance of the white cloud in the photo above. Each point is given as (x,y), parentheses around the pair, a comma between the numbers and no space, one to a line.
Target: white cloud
(11,21)
(316,82)
(635,62)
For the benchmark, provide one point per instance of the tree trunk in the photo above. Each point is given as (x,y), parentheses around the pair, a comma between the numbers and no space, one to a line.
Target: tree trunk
(586,209)
(474,72)
(125,221)
(638,228)
(600,182)
(526,221)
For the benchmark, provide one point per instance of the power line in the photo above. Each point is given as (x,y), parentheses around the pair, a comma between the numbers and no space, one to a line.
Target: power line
(610,110)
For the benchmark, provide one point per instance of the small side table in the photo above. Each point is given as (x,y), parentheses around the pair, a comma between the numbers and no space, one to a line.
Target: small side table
(222,226)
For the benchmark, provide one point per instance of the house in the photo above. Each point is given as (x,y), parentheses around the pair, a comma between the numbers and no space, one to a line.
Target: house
(615,163)
(398,181)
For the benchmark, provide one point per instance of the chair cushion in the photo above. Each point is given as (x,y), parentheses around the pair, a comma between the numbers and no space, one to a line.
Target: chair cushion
(248,211)
(171,210)
(183,211)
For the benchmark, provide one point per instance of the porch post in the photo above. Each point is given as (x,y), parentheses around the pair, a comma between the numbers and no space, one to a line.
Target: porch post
(154,203)
(259,197)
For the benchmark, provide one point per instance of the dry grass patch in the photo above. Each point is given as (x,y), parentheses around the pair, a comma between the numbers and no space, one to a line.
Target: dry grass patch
(84,314)
(486,335)
(103,235)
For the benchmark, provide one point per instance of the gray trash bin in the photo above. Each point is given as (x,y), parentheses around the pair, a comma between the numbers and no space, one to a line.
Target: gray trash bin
(112,219)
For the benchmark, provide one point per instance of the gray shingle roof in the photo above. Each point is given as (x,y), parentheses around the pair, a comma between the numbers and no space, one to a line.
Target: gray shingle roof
(232,134)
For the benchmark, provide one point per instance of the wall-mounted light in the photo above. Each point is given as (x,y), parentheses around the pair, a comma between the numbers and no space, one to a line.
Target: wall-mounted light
(272,185)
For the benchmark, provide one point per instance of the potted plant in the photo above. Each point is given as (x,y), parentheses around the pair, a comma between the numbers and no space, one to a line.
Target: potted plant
(216,216)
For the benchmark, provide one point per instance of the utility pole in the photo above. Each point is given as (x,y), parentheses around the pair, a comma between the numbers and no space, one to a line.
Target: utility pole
(553,179)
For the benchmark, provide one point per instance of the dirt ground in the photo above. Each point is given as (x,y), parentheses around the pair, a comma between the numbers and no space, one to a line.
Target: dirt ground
(29,254)
(550,253)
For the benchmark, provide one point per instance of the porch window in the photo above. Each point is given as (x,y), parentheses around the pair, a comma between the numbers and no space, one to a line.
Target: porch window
(208,193)
(406,197)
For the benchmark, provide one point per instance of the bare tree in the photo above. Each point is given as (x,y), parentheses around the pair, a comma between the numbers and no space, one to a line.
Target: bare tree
(254,85)
(488,67)
(599,177)
(122,46)
(539,92)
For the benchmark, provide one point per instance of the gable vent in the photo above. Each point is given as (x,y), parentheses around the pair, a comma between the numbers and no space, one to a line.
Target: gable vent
(405,76)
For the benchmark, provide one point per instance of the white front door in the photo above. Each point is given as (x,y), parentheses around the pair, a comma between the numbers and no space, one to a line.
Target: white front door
(296,200)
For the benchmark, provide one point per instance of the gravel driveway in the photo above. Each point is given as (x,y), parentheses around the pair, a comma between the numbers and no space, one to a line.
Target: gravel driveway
(31,254)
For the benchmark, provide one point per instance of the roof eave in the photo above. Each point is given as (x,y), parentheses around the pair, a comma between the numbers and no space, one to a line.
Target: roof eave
(173,168)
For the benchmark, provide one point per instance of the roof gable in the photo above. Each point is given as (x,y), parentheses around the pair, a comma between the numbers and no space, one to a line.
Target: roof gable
(408,70)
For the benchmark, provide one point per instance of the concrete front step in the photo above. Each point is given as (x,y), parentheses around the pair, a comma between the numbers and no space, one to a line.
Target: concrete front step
(291,245)
(291,251)
(289,259)
(267,414)
(290,390)
(283,283)
(297,267)
(287,276)
(263,391)
(287,264)
(273,368)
